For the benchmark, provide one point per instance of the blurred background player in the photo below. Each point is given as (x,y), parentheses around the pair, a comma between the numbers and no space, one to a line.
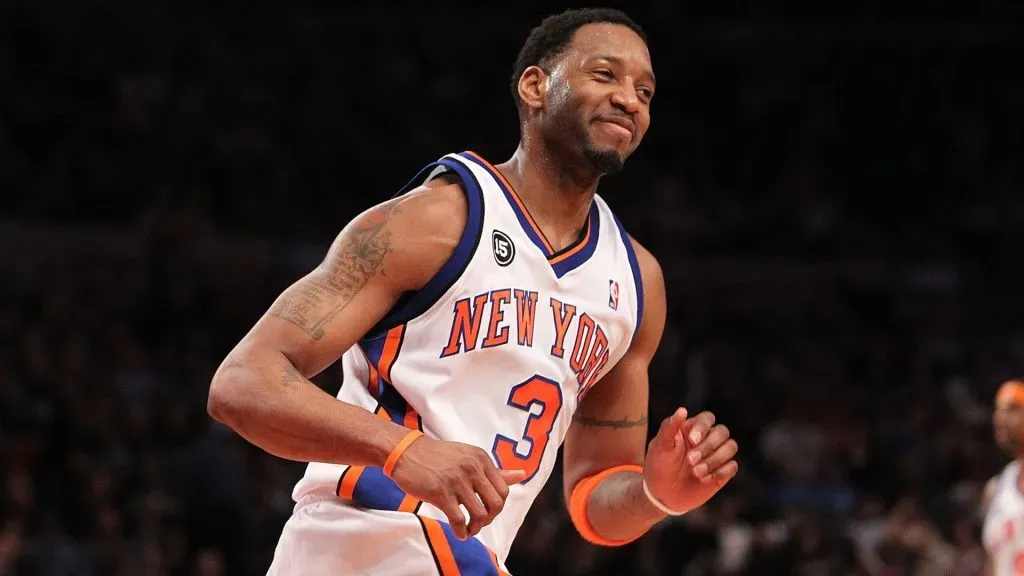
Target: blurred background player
(1003,498)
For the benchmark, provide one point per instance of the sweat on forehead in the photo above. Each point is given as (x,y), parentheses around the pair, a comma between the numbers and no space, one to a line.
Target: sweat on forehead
(612,39)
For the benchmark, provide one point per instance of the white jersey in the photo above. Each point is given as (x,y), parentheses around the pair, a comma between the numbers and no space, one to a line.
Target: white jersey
(1003,533)
(495,351)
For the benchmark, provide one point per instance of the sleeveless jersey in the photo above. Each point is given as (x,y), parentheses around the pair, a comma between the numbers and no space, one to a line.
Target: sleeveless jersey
(1003,532)
(496,350)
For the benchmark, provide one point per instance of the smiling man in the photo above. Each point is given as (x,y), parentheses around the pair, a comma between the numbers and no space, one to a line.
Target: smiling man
(484,316)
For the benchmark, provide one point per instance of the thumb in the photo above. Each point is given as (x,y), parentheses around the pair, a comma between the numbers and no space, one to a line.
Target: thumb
(512,476)
(670,434)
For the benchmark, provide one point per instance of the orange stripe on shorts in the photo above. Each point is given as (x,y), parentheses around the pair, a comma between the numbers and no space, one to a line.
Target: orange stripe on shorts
(439,546)
(497,567)
(348,481)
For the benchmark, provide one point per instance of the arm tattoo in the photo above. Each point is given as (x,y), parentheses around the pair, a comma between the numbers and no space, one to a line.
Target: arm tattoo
(286,375)
(614,424)
(289,375)
(315,301)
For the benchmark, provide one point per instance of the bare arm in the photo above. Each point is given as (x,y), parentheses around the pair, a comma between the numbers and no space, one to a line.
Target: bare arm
(610,427)
(685,464)
(262,391)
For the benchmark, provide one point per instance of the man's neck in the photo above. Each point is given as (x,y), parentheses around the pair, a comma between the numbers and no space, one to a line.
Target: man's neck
(557,198)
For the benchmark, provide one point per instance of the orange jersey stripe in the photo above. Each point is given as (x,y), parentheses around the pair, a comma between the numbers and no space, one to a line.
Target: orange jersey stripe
(374,381)
(348,481)
(409,504)
(497,567)
(439,544)
(575,249)
(412,419)
(373,376)
(387,357)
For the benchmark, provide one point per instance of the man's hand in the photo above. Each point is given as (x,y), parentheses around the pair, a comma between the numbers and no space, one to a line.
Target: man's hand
(447,474)
(689,460)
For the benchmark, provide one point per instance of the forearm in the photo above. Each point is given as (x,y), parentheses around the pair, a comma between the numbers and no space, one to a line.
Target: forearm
(264,398)
(619,510)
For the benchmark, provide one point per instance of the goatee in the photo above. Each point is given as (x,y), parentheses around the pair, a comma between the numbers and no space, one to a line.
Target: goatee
(603,161)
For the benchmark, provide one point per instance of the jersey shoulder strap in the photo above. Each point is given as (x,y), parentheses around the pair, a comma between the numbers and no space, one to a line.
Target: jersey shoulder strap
(412,304)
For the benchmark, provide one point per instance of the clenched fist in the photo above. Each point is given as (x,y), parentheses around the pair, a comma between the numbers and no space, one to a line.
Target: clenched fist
(447,474)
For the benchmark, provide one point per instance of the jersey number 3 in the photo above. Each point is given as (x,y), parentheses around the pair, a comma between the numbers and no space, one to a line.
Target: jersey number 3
(545,394)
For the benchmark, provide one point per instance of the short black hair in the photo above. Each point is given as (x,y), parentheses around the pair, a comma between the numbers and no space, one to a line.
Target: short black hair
(550,38)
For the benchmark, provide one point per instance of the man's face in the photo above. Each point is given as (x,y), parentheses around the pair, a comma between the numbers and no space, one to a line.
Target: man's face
(599,96)
(1008,418)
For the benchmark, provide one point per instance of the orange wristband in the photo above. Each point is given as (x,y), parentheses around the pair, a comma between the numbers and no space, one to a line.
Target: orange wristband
(580,497)
(403,445)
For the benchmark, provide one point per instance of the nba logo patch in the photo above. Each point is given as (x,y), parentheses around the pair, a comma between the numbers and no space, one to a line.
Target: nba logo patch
(613,294)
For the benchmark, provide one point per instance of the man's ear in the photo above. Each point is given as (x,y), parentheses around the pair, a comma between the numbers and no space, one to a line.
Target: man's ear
(533,87)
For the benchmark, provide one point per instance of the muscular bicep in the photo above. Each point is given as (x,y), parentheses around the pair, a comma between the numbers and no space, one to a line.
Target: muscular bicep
(609,427)
(386,251)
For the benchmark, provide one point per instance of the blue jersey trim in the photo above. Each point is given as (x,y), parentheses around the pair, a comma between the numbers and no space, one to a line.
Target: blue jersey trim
(638,280)
(412,304)
(373,348)
(470,555)
(376,491)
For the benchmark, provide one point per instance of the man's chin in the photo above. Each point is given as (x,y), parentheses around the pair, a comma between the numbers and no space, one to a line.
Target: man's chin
(605,160)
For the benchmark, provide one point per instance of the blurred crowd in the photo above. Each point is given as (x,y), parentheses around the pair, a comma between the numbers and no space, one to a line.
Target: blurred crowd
(837,207)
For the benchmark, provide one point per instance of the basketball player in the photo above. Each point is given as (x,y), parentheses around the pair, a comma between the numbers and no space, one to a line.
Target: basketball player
(483,316)
(1003,497)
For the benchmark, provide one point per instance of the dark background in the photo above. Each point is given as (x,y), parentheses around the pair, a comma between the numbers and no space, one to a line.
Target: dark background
(835,193)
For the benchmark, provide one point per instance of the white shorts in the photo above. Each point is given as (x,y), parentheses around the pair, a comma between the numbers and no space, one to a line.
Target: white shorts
(327,536)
